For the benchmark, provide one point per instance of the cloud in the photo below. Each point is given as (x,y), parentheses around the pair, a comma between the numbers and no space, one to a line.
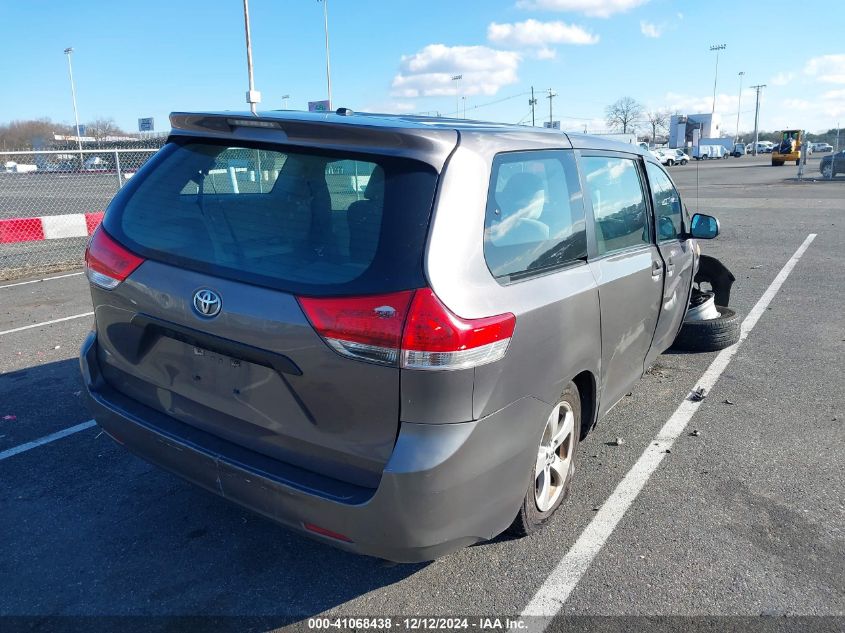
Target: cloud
(834,95)
(782,79)
(650,30)
(546,53)
(592,8)
(536,33)
(798,104)
(392,107)
(429,72)
(827,68)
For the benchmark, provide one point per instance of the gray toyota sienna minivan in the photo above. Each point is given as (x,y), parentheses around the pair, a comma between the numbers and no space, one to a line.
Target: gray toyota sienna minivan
(386,332)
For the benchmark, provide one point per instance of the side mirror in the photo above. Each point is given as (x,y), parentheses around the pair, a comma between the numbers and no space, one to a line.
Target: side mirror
(704,227)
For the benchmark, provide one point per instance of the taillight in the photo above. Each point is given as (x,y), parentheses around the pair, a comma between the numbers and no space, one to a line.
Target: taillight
(411,329)
(107,263)
(435,338)
(369,328)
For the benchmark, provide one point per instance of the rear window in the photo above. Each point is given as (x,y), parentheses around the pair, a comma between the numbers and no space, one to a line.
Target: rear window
(307,222)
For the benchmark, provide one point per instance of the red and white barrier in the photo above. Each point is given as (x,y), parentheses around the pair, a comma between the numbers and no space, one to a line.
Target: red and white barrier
(48,227)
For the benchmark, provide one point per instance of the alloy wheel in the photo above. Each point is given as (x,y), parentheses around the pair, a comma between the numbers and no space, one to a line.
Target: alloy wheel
(554,457)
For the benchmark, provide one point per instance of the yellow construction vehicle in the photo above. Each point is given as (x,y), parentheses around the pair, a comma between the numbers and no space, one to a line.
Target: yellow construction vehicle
(789,148)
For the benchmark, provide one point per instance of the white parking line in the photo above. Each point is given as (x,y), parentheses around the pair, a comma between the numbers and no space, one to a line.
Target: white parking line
(29,327)
(22,448)
(38,281)
(554,592)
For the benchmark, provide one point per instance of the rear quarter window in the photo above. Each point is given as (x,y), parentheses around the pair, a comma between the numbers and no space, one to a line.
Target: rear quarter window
(534,221)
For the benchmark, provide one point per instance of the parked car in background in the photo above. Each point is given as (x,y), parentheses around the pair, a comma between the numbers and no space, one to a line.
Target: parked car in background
(664,156)
(821,147)
(707,152)
(833,164)
(739,150)
(312,352)
(681,157)
(11,167)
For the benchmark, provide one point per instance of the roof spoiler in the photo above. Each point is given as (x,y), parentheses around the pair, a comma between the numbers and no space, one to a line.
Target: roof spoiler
(431,146)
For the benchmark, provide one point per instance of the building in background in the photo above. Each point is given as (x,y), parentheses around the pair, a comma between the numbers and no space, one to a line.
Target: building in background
(686,129)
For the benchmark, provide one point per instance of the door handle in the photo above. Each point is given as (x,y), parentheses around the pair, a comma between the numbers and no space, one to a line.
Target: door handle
(656,269)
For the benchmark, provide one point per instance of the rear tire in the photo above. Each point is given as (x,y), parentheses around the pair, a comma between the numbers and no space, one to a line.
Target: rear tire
(710,335)
(554,467)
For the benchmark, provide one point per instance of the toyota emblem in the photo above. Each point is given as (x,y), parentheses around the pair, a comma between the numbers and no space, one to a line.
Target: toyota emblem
(207,303)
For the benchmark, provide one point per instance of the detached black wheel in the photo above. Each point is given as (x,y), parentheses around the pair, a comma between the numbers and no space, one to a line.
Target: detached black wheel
(551,474)
(709,335)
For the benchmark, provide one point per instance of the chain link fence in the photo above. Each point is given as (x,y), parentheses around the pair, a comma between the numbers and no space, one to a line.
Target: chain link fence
(51,201)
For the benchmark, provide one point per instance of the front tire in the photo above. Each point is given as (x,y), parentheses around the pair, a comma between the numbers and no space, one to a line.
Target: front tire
(827,171)
(552,471)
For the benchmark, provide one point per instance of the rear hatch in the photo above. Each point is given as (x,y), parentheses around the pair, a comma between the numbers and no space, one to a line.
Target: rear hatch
(203,273)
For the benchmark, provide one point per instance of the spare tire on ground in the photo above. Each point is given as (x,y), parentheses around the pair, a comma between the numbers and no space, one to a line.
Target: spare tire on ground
(709,335)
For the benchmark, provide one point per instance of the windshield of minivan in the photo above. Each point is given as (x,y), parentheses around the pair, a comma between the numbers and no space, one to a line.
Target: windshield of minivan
(288,218)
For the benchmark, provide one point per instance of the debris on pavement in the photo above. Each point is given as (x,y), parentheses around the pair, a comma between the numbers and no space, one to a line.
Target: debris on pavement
(619,441)
(697,395)
(695,433)
(728,401)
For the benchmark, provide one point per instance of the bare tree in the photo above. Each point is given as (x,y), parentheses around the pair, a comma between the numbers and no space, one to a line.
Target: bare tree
(101,128)
(623,114)
(658,120)
(25,134)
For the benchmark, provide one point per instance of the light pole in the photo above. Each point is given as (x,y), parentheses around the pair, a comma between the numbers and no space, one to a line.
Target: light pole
(457,80)
(532,102)
(328,57)
(69,52)
(253,97)
(758,88)
(738,105)
(717,48)
(285,101)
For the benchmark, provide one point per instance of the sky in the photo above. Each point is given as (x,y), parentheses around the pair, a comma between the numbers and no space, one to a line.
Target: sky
(147,59)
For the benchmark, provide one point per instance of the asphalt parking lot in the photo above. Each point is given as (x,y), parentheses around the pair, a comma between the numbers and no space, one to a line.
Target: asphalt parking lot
(744,519)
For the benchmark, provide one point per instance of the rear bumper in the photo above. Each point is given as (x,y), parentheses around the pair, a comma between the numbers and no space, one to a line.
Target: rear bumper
(445,486)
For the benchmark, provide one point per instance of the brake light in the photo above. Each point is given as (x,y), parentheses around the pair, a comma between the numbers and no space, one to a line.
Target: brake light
(411,329)
(107,263)
(436,338)
(369,328)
